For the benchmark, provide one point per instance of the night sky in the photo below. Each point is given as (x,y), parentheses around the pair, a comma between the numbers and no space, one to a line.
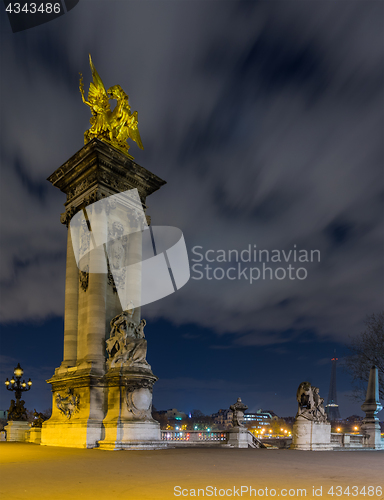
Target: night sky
(266,121)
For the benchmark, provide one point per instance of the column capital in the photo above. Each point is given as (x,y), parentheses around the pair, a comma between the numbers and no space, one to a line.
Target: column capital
(96,171)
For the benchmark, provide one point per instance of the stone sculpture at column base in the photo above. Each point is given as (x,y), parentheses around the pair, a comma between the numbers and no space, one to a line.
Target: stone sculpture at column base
(129,423)
(311,430)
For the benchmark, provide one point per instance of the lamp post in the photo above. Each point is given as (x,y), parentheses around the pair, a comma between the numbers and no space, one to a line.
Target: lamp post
(17,410)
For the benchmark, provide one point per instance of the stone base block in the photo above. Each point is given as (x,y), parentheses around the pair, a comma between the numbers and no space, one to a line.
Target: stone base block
(132,436)
(77,434)
(16,430)
(372,435)
(311,436)
(35,435)
(238,437)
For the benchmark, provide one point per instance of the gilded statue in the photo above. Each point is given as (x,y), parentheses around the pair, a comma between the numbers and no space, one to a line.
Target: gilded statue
(113,126)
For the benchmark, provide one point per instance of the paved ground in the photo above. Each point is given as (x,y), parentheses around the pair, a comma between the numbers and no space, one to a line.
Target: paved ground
(33,472)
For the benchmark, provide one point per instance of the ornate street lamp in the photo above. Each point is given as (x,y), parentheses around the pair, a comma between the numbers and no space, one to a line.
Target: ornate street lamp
(17,411)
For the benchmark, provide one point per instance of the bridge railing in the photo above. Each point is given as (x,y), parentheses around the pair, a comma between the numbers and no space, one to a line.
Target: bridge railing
(347,440)
(195,436)
(255,442)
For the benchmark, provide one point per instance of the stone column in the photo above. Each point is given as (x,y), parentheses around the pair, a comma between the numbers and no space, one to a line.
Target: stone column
(97,295)
(134,270)
(71,309)
(84,242)
(87,401)
(371,406)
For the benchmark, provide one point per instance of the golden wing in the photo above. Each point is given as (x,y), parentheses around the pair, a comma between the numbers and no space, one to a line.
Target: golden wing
(97,93)
(134,133)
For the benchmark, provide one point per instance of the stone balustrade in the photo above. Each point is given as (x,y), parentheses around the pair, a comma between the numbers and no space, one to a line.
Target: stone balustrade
(200,437)
(230,439)
(339,440)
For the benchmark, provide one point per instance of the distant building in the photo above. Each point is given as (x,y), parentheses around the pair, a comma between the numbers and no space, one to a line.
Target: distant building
(173,414)
(354,418)
(270,412)
(289,420)
(259,419)
(223,418)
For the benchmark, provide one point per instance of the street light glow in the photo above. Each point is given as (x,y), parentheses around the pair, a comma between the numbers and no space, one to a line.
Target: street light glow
(18,371)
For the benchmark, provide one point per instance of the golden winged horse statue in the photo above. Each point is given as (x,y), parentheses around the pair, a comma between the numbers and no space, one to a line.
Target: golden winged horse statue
(114,127)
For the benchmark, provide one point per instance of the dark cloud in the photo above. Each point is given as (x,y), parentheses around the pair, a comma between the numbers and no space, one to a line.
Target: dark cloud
(266,123)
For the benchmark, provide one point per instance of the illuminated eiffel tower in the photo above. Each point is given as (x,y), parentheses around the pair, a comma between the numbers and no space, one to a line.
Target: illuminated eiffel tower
(332,408)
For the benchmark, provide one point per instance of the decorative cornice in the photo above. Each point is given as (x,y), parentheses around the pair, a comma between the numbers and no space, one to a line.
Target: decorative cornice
(85,167)
(118,376)
(75,379)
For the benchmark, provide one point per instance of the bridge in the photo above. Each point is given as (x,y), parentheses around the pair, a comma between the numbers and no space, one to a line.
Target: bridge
(215,439)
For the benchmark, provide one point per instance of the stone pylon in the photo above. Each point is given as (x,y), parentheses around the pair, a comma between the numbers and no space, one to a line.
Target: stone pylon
(99,400)
(311,430)
(371,406)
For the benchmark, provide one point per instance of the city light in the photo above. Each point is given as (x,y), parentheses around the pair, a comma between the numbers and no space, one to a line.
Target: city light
(18,386)
(18,371)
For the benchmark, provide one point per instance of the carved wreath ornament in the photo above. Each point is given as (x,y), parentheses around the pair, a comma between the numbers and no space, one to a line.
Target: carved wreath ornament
(68,404)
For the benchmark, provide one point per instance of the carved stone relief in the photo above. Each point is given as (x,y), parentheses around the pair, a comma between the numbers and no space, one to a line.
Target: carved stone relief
(139,398)
(68,404)
(117,254)
(84,278)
